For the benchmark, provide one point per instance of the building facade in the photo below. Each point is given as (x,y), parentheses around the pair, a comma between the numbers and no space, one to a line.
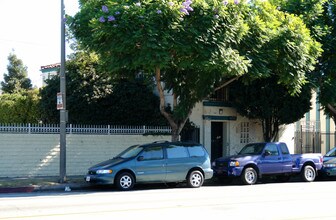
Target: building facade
(316,131)
(49,71)
(224,132)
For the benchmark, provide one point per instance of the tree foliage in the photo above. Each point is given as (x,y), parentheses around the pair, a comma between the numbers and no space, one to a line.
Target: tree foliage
(19,102)
(94,98)
(189,50)
(320,17)
(195,46)
(271,103)
(16,79)
(20,107)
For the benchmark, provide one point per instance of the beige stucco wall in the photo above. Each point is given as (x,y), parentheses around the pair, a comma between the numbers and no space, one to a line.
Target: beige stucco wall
(231,128)
(23,155)
(286,134)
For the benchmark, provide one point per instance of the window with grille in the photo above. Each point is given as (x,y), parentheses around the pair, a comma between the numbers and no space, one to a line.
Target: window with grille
(220,95)
(244,132)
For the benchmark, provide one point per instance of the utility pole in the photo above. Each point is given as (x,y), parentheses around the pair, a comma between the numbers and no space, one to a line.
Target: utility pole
(63,113)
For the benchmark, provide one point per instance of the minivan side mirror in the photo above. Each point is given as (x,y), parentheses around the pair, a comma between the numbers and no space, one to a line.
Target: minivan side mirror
(140,158)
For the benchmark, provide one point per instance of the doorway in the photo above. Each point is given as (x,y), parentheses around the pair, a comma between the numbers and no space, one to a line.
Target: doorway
(216,140)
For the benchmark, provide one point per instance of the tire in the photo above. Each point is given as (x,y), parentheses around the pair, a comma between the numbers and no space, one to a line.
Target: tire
(125,181)
(308,173)
(195,179)
(249,176)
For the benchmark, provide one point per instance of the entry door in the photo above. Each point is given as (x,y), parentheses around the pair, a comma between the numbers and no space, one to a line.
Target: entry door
(216,140)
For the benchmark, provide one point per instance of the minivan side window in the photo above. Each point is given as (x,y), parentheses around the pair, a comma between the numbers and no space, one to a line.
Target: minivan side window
(196,151)
(174,151)
(152,153)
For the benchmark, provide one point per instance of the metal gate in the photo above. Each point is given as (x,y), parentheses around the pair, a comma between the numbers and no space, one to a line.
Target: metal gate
(308,137)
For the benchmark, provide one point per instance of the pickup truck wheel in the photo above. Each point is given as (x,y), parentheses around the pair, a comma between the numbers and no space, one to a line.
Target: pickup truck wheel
(249,176)
(308,173)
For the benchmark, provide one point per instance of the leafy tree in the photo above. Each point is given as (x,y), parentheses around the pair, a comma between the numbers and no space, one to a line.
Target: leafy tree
(320,17)
(275,55)
(94,98)
(20,107)
(16,80)
(193,47)
(168,41)
(271,103)
(82,87)
(131,102)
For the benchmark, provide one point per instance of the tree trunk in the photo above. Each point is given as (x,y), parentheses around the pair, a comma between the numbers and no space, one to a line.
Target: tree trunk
(270,129)
(176,125)
(333,112)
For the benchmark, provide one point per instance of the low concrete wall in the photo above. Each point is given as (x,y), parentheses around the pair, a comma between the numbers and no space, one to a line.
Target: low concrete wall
(24,155)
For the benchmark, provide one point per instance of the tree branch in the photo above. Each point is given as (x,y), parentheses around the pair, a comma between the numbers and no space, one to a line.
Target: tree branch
(332,109)
(227,83)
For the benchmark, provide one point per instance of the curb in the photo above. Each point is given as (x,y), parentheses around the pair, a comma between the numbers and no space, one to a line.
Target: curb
(24,189)
(30,189)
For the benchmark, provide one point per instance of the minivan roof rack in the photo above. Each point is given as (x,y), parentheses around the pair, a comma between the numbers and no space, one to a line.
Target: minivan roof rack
(162,141)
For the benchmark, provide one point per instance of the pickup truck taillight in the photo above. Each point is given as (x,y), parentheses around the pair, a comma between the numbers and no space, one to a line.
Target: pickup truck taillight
(321,159)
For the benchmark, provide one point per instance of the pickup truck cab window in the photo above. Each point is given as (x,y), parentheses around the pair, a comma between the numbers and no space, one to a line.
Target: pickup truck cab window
(284,149)
(271,150)
(252,149)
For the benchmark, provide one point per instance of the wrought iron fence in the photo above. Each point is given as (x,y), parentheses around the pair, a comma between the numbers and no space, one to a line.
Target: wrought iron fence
(84,129)
(308,137)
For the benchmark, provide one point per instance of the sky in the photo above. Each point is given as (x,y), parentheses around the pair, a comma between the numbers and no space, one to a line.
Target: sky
(31,29)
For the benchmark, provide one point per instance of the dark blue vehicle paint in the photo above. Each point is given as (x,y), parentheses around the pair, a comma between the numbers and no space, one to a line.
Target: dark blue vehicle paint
(273,158)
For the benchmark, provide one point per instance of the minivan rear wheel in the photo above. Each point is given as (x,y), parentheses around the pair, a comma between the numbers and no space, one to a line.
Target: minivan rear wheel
(195,179)
(125,181)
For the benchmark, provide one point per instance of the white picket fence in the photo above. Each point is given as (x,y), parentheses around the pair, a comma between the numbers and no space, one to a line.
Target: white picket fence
(84,129)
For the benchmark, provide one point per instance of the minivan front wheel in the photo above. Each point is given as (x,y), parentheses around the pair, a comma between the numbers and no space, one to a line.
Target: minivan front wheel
(195,179)
(125,181)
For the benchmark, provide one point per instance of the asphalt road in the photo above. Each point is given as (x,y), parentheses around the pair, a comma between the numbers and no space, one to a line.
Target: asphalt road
(294,200)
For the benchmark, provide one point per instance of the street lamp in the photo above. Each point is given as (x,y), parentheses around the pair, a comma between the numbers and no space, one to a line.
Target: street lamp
(62,109)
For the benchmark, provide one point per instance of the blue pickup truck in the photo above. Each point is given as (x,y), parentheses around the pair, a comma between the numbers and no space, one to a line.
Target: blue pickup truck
(258,159)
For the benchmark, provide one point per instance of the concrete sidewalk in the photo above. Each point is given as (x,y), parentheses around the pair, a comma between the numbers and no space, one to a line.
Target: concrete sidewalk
(39,184)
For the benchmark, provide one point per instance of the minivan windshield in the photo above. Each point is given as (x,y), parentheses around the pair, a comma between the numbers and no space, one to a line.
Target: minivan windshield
(130,152)
(252,149)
